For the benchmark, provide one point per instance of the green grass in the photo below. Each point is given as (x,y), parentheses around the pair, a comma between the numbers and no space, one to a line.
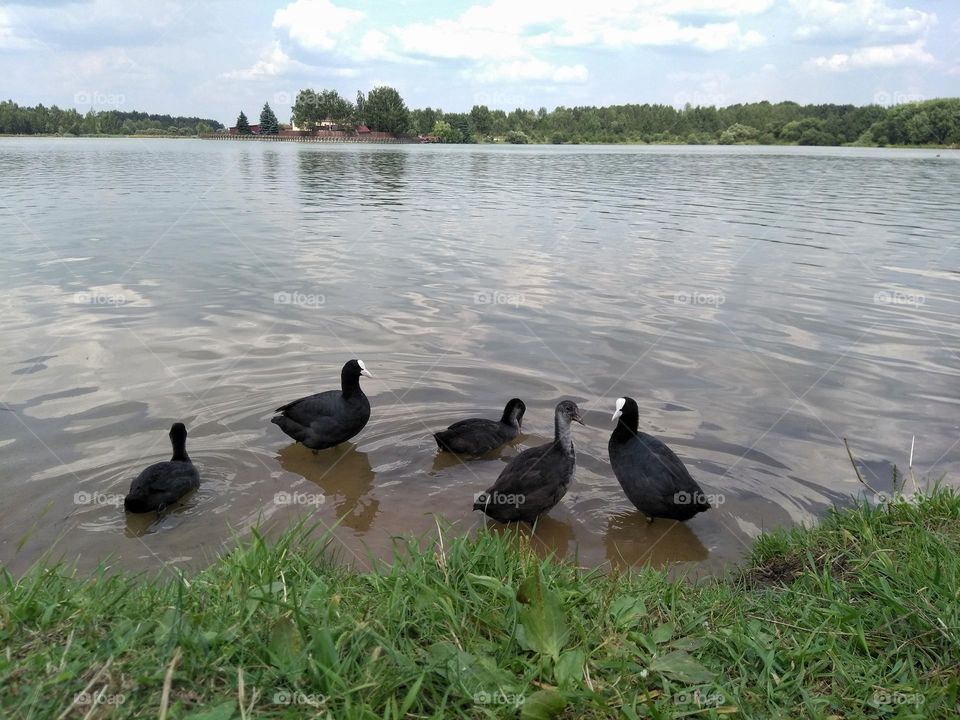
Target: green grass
(855,618)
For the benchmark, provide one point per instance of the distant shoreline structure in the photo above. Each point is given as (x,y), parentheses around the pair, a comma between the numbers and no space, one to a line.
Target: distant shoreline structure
(377,139)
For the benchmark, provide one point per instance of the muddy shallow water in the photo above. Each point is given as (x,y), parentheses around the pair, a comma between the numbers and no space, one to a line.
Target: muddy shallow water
(759,303)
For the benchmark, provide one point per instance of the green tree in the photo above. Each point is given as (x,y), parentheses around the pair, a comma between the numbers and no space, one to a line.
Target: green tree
(386,111)
(445,132)
(738,133)
(517,137)
(311,108)
(481,120)
(243,125)
(89,124)
(361,108)
(269,125)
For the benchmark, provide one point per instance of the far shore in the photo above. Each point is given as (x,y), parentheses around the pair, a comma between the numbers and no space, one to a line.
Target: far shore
(414,141)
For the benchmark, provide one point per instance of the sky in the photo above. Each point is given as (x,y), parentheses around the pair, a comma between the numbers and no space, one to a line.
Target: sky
(209,58)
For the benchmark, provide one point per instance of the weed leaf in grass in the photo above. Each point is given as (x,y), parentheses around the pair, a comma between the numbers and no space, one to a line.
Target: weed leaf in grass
(681,666)
(543,627)
(474,673)
(569,668)
(663,633)
(286,648)
(223,711)
(627,611)
(543,705)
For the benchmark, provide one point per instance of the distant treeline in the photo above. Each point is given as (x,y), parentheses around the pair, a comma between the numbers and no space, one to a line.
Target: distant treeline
(41,120)
(933,122)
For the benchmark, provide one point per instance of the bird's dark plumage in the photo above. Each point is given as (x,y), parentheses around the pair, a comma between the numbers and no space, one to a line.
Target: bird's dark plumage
(164,483)
(536,479)
(650,473)
(329,418)
(478,435)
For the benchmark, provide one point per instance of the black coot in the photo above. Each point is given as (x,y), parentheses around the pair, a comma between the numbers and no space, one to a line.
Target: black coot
(478,435)
(164,483)
(651,475)
(536,479)
(329,418)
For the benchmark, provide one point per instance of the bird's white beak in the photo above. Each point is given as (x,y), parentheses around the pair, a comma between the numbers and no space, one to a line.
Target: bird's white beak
(366,372)
(619,411)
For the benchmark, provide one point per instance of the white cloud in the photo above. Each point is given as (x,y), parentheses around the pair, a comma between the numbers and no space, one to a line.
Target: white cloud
(9,39)
(273,61)
(449,39)
(504,28)
(530,69)
(870,20)
(876,56)
(316,24)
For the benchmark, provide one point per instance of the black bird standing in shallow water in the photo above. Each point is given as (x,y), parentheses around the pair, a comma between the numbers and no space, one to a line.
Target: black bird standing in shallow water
(536,479)
(651,475)
(329,418)
(164,483)
(478,435)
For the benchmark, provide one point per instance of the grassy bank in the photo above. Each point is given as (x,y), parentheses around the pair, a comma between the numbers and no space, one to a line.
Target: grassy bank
(858,617)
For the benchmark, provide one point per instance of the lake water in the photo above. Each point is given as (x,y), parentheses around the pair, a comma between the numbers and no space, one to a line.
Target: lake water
(760,304)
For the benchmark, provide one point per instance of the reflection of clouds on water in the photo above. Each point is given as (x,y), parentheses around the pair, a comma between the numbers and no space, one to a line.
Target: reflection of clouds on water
(464,276)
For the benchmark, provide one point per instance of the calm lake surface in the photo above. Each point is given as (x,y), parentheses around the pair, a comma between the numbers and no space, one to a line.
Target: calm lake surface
(760,304)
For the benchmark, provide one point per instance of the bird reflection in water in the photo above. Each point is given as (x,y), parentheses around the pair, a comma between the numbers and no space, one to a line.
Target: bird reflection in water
(631,541)
(345,476)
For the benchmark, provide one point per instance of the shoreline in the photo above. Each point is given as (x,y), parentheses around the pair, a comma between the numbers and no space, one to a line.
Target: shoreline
(415,141)
(855,616)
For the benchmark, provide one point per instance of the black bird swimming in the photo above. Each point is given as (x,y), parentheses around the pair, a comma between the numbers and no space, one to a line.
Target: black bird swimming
(536,479)
(164,483)
(478,435)
(651,475)
(329,418)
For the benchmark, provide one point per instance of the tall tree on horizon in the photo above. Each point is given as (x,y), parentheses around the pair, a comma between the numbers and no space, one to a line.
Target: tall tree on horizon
(386,111)
(361,107)
(268,121)
(243,125)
